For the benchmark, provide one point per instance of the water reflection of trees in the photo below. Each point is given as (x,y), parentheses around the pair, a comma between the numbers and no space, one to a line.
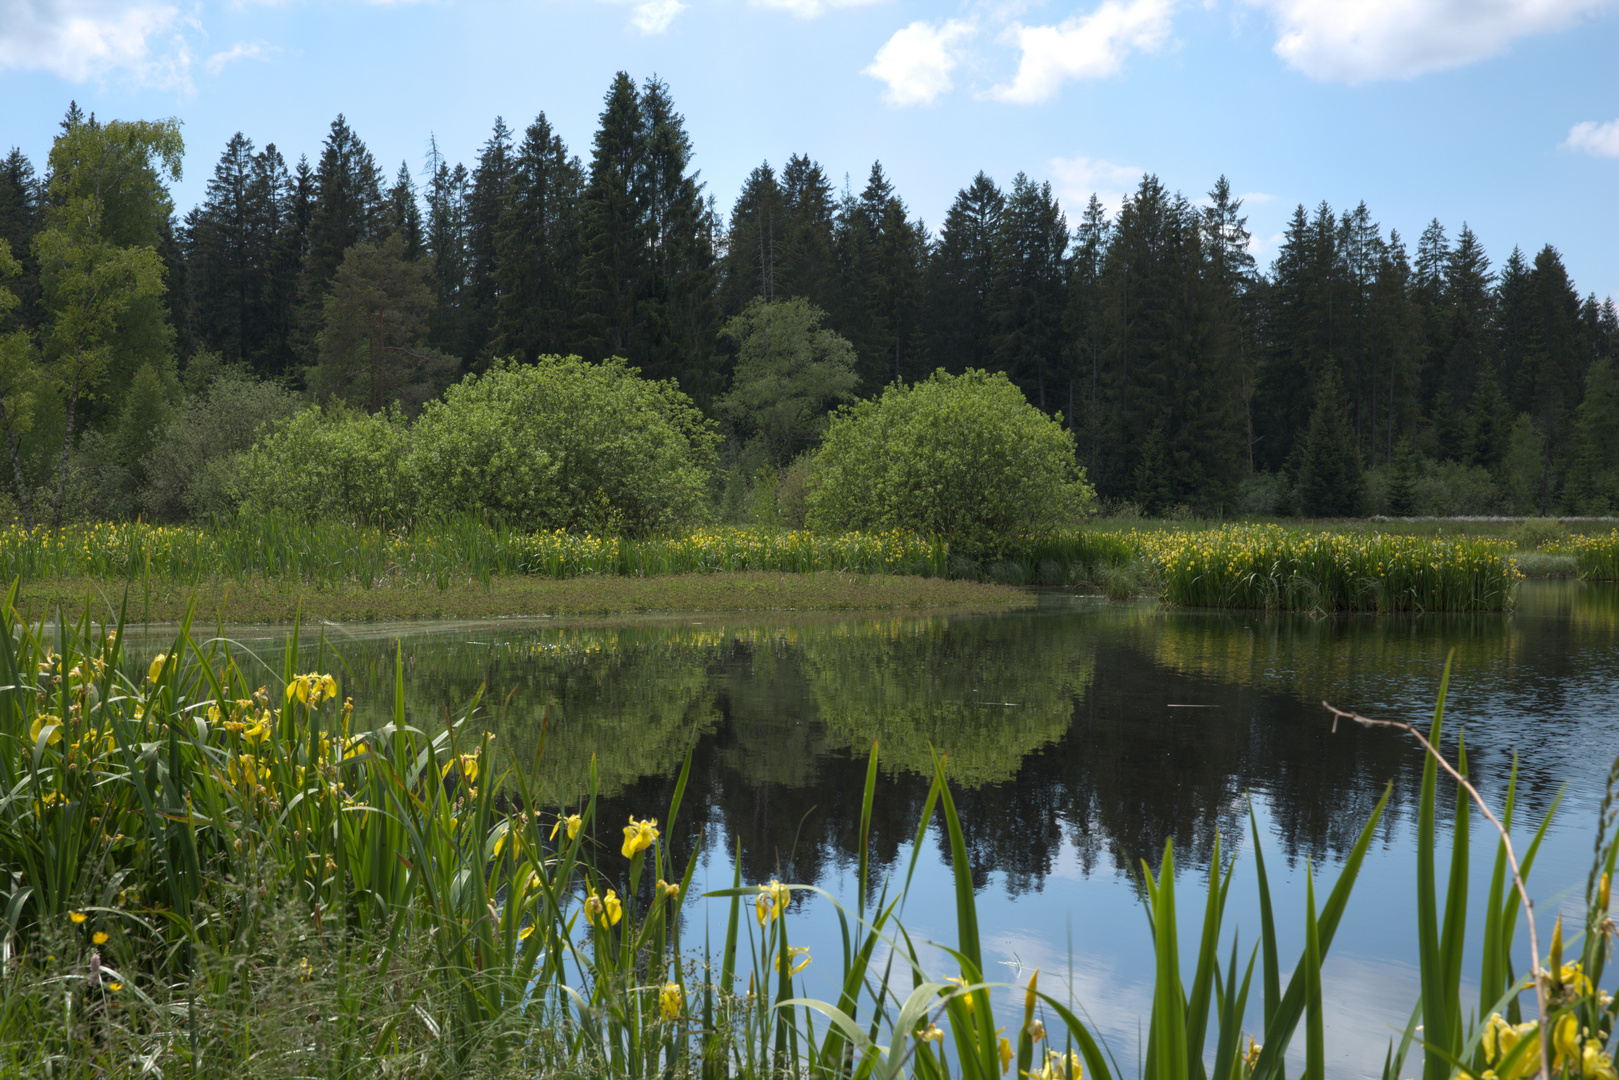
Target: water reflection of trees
(1092,763)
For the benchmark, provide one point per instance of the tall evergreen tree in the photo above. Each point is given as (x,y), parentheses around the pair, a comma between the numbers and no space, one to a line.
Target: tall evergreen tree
(753,242)
(1028,292)
(1330,477)
(403,215)
(447,248)
(614,271)
(486,202)
(681,318)
(1231,274)
(20,200)
(961,275)
(806,263)
(539,247)
(348,205)
(881,254)
(1085,325)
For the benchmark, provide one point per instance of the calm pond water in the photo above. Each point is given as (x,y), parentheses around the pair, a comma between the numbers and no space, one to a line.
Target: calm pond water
(1082,735)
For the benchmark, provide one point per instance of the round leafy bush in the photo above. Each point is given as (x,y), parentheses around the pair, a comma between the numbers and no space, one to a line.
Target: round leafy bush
(338,462)
(960,456)
(566,444)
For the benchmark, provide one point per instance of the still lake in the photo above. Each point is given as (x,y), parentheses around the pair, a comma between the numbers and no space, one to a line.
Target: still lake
(1081,735)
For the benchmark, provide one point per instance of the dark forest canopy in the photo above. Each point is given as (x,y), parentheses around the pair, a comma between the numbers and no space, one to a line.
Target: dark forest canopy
(1189,374)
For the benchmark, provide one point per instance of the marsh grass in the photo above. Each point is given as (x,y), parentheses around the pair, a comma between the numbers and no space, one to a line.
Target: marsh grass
(1267,566)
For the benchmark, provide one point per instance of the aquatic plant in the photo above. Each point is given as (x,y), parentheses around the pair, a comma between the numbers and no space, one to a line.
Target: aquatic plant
(1268,566)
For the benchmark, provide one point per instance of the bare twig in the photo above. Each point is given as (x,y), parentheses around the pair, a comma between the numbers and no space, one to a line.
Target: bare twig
(1512,860)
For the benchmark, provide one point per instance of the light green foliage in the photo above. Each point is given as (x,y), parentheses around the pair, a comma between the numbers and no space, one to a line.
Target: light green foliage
(334,463)
(99,268)
(789,371)
(192,470)
(562,443)
(965,457)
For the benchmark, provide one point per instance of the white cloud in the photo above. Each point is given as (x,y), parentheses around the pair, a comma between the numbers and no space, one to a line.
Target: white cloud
(650,16)
(81,39)
(1256,198)
(1590,137)
(242,50)
(1355,41)
(654,16)
(1078,178)
(810,9)
(1091,46)
(917,61)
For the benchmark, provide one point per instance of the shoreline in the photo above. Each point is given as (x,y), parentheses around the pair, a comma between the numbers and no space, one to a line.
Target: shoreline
(516,597)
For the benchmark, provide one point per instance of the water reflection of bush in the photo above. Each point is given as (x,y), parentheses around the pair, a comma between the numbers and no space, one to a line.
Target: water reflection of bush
(1091,759)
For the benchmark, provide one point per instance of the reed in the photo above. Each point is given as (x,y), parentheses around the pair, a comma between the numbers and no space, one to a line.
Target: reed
(1596,557)
(1268,566)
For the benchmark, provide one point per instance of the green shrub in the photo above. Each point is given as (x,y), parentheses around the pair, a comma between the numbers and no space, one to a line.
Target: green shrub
(192,470)
(565,444)
(334,463)
(1536,533)
(965,457)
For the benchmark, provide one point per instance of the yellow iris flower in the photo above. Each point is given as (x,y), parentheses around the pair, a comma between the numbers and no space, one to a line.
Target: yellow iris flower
(771,903)
(639,835)
(793,954)
(604,912)
(571,822)
(154,672)
(51,724)
(671,1001)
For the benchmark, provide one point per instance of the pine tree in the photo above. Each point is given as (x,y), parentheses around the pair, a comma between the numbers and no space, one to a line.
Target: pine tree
(1511,330)
(1083,320)
(220,253)
(1028,291)
(753,242)
(614,272)
(447,250)
(348,205)
(961,275)
(20,200)
(1232,275)
(403,214)
(1491,423)
(1330,478)
(539,249)
(1593,482)
(1402,500)
(881,253)
(806,263)
(681,318)
(486,202)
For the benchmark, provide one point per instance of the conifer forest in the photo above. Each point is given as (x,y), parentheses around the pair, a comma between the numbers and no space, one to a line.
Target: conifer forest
(1357,367)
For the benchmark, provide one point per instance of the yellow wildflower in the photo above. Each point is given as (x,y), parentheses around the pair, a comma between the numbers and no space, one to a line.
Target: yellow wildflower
(99,937)
(671,1001)
(932,1033)
(571,822)
(772,901)
(793,953)
(155,672)
(604,912)
(1006,1053)
(50,724)
(639,835)
(78,917)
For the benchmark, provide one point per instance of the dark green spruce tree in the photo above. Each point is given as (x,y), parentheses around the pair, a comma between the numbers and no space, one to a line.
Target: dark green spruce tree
(1330,479)
(541,240)
(961,274)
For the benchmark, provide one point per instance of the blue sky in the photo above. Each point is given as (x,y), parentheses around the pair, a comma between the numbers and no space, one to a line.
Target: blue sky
(1500,113)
